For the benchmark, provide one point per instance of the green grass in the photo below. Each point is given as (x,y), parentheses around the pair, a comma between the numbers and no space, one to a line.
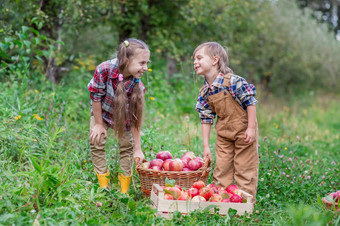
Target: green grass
(46,173)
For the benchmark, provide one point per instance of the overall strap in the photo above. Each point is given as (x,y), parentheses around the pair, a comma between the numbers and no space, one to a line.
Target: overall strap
(226,81)
(202,92)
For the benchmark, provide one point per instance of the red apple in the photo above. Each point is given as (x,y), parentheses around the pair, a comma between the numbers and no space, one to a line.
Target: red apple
(192,192)
(185,164)
(236,198)
(198,184)
(225,200)
(216,198)
(336,196)
(184,196)
(190,154)
(206,192)
(233,189)
(213,187)
(156,162)
(166,163)
(179,187)
(186,158)
(198,198)
(145,165)
(176,165)
(186,169)
(224,194)
(199,159)
(157,168)
(194,164)
(168,197)
(164,155)
(175,189)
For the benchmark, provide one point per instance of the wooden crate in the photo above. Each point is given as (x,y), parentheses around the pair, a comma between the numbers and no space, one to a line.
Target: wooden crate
(166,207)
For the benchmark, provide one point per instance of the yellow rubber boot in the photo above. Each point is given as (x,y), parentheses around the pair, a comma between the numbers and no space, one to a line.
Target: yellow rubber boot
(103,179)
(124,182)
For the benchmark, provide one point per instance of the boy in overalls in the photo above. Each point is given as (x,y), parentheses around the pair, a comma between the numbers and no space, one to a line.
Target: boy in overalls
(232,99)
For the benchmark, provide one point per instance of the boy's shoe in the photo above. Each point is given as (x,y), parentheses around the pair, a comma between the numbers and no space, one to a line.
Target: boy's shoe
(124,182)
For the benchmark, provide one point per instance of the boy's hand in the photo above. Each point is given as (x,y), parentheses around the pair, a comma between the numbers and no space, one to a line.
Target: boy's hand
(96,132)
(249,136)
(207,153)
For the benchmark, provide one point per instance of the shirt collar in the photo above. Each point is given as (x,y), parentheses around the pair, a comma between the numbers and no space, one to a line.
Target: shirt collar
(218,82)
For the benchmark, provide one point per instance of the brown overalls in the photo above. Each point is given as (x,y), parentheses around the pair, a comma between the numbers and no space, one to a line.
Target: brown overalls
(234,158)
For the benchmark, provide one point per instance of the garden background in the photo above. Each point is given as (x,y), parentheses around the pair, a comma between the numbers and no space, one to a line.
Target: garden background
(48,53)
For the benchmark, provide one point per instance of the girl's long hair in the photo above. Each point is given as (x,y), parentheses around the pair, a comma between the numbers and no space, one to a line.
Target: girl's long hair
(213,49)
(135,110)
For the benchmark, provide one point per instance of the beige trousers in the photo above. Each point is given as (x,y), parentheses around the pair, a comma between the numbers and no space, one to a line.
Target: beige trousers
(126,150)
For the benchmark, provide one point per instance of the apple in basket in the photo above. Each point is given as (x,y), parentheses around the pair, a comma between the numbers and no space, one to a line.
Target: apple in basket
(145,165)
(194,164)
(166,164)
(186,169)
(156,162)
(157,168)
(164,155)
(188,156)
(176,165)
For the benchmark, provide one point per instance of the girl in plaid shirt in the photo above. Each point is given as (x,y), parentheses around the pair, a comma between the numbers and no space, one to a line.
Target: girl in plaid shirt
(117,102)
(232,100)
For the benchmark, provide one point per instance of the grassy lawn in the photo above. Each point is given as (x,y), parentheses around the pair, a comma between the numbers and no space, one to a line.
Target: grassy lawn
(46,173)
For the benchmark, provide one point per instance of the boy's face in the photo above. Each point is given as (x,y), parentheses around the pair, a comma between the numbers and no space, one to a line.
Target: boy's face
(203,63)
(137,64)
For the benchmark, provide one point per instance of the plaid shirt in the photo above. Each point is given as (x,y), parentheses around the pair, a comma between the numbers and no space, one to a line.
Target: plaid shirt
(102,88)
(242,92)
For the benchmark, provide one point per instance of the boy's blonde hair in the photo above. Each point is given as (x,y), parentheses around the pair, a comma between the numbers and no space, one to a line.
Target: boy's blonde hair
(136,107)
(213,49)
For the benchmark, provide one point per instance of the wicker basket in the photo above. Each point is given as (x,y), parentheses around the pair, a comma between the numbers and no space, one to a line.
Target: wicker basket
(329,204)
(148,177)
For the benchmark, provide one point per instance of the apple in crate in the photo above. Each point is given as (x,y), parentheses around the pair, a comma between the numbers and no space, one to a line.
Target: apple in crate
(184,196)
(156,162)
(164,155)
(198,184)
(198,198)
(194,164)
(233,189)
(225,200)
(216,198)
(176,165)
(192,192)
(168,197)
(236,198)
(213,187)
(166,164)
(206,192)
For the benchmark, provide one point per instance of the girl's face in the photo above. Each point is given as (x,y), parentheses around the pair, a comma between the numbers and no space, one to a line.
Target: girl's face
(203,63)
(137,64)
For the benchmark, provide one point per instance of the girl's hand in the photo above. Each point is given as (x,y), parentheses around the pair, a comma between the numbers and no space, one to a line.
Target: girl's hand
(96,132)
(249,136)
(207,153)
(138,156)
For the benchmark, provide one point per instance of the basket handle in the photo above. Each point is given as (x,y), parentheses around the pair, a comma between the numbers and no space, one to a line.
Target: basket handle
(206,163)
